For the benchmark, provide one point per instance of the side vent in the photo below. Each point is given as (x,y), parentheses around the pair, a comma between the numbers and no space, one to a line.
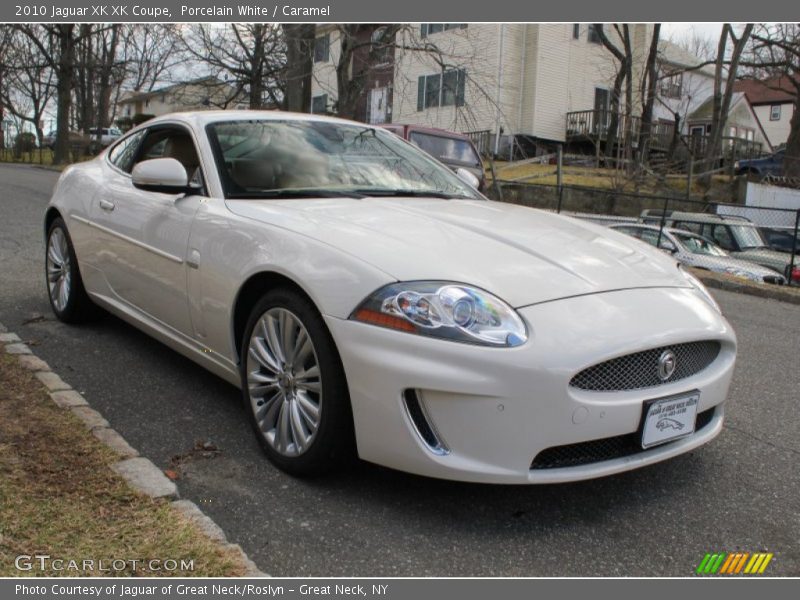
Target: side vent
(423,424)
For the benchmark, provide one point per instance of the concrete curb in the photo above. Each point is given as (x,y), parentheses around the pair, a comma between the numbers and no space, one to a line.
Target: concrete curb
(140,473)
(782,293)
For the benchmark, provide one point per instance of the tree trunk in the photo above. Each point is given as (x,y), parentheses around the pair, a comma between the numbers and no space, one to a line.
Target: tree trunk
(347,82)
(299,66)
(791,160)
(649,89)
(722,97)
(613,122)
(64,70)
(256,99)
(104,83)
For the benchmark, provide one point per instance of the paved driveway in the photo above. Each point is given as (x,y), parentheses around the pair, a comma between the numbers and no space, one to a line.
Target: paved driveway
(739,492)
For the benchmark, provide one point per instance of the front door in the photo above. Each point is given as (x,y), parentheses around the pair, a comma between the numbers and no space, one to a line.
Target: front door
(601,98)
(378,99)
(145,234)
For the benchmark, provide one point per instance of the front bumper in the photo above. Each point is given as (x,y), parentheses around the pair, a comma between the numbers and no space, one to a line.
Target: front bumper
(498,408)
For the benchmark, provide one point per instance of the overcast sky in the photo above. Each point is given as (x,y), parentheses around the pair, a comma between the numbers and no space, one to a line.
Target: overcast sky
(685,30)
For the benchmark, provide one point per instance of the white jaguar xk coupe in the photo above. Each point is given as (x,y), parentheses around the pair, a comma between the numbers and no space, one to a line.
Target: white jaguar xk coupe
(365,297)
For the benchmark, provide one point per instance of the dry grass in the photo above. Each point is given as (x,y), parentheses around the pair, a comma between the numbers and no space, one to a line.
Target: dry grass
(601,178)
(58,495)
(43,158)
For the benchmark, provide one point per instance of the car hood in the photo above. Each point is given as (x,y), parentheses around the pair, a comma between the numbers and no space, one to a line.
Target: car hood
(523,255)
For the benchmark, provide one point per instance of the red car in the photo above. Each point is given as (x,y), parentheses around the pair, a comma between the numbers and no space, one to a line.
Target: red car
(452,149)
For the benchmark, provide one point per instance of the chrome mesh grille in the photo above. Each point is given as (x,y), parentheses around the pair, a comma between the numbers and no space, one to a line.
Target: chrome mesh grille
(640,370)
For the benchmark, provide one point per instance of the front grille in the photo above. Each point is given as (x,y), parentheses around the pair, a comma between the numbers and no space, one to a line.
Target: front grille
(586,453)
(640,370)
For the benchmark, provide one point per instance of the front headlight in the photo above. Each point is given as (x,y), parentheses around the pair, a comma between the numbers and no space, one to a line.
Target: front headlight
(701,289)
(444,310)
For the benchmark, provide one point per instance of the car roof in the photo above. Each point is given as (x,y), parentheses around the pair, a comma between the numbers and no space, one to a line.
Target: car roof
(201,118)
(699,218)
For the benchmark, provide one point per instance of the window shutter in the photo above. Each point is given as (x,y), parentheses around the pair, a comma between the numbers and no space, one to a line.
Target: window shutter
(460,89)
(420,93)
(423,30)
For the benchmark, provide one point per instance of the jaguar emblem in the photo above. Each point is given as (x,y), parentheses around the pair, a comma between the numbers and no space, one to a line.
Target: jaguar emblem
(666,365)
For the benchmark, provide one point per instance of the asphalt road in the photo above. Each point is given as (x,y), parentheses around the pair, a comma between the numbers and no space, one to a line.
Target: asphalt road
(738,493)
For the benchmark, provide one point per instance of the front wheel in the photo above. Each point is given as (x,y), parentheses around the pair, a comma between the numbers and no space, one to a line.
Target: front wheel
(68,298)
(294,386)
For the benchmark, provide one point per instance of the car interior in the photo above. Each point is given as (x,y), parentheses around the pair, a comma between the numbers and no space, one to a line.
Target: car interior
(171,143)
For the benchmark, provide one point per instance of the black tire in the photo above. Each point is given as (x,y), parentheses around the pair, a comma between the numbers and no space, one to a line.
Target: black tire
(78,306)
(333,443)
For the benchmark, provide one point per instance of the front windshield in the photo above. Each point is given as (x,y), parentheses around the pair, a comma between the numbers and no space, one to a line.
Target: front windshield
(273,159)
(747,236)
(698,245)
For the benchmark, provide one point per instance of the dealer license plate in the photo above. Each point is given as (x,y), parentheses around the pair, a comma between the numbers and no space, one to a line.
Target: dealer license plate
(667,419)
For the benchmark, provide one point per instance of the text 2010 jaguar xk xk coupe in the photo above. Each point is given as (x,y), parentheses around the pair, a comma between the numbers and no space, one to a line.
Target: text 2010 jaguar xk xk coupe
(365,297)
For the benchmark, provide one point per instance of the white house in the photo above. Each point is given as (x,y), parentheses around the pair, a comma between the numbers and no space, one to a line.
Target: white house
(518,80)
(197,94)
(773,102)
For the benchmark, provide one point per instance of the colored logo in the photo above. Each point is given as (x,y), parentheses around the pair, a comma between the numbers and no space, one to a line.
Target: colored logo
(734,563)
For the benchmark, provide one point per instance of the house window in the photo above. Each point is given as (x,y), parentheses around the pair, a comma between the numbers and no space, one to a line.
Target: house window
(672,85)
(441,89)
(576,31)
(775,112)
(319,104)
(594,36)
(427,29)
(322,46)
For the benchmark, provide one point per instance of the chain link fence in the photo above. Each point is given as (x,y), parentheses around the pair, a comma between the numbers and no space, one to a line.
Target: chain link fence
(759,244)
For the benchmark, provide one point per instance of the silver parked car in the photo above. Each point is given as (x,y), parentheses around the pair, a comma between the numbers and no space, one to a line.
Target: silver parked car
(694,250)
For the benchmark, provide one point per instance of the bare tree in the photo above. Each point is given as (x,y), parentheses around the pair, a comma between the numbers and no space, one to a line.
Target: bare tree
(623,53)
(247,58)
(725,70)
(363,48)
(149,53)
(56,44)
(649,90)
(27,81)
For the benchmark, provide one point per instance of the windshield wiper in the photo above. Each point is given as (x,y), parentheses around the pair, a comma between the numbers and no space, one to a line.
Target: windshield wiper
(400,193)
(291,194)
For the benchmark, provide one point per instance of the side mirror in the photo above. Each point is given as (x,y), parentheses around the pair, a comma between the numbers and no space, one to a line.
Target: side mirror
(165,175)
(467,177)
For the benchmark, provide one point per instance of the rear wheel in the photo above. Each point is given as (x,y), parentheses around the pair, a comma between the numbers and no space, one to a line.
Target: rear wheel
(294,386)
(68,297)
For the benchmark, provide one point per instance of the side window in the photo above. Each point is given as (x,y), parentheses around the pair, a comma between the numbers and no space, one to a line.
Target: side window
(722,236)
(651,237)
(170,142)
(693,227)
(632,231)
(122,154)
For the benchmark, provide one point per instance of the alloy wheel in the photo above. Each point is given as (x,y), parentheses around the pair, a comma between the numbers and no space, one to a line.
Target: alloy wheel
(284,382)
(59,274)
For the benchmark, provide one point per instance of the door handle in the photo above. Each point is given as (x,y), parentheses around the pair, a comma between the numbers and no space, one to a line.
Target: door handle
(106,205)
